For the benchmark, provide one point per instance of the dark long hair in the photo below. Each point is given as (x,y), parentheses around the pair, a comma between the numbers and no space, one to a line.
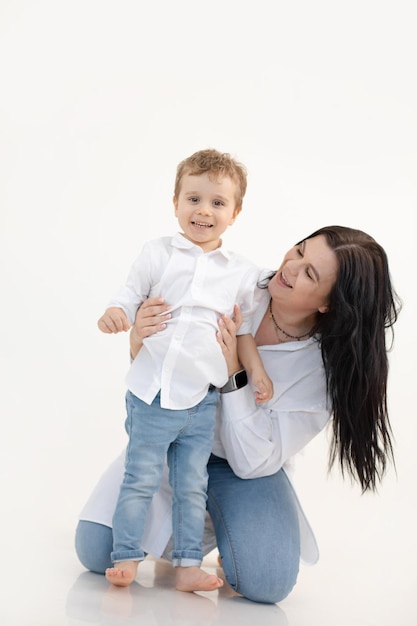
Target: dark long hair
(362,306)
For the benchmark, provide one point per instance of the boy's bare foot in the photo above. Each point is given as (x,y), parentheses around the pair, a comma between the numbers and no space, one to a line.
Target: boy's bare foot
(196,579)
(123,574)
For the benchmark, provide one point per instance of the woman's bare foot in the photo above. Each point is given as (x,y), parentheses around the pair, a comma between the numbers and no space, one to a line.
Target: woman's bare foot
(195,579)
(123,574)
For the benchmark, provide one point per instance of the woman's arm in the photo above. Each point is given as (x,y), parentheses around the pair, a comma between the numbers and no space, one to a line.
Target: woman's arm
(226,338)
(258,441)
(242,349)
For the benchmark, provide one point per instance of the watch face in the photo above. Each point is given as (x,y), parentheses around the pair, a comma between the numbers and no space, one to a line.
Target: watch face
(241,379)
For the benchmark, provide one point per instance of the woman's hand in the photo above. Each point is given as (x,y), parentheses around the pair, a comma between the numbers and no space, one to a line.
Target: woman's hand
(150,318)
(226,337)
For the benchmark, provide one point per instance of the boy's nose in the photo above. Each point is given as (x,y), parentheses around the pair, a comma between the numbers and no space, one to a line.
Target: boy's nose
(204,209)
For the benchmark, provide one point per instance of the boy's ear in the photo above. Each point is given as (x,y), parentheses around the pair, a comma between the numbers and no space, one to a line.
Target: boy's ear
(175,202)
(235,213)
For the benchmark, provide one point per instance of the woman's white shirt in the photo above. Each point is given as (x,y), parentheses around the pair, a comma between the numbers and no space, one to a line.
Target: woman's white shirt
(258,440)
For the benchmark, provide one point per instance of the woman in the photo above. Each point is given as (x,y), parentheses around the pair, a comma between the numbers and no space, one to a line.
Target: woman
(320,330)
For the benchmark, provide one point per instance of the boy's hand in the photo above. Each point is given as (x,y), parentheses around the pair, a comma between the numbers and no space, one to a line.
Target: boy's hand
(114,320)
(265,388)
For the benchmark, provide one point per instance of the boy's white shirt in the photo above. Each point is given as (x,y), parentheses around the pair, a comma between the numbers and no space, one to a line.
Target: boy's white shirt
(256,440)
(183,360)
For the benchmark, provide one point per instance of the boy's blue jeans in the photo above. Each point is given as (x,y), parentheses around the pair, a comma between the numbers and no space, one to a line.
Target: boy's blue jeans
(185,438)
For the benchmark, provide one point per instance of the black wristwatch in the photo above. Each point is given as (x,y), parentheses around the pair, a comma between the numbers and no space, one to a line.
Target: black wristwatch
(236,381)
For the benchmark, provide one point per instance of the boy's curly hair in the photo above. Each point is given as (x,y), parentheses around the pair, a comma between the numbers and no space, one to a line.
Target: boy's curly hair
(215,164)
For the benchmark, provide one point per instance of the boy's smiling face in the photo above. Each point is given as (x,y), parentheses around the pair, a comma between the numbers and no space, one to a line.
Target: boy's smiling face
(205,207)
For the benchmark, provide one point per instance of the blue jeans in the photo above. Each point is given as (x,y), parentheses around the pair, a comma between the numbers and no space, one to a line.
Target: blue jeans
(185,438)
(257,531)
(256,528)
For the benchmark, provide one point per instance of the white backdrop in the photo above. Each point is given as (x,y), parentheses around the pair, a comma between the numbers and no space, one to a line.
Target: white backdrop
(100,101)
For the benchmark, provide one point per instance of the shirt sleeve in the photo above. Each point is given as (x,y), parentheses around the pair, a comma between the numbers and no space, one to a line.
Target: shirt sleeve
(140,279)
(258,440)
(249,298)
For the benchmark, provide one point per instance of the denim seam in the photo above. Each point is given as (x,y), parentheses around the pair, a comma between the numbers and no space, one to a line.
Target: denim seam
(228,537)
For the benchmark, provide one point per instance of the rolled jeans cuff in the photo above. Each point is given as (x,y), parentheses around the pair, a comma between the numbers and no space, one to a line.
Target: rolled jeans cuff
(187,558)
(127,555)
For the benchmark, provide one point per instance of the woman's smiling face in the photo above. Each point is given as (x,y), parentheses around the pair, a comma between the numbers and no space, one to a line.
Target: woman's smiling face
(306,277)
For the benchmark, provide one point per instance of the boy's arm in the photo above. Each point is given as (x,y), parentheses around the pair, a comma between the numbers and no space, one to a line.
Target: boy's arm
(252,362)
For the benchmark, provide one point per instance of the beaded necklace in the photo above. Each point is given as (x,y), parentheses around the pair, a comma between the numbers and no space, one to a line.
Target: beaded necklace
(278,327)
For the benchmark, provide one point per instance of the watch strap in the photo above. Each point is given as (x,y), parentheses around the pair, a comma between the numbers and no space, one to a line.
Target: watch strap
(236,381)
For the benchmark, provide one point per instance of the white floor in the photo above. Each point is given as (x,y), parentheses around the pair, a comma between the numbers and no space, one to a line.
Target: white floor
(55,445)
(59,592)
(366,575)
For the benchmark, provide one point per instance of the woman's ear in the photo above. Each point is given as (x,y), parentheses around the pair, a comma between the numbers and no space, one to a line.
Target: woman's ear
(323,309)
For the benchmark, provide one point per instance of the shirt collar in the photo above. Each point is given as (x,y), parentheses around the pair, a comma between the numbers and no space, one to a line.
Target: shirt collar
(179,241)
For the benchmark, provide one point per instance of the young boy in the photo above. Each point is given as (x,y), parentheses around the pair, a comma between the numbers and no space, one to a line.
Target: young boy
(172,396)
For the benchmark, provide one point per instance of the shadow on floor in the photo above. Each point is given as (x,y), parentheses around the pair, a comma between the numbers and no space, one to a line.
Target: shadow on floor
(155,602)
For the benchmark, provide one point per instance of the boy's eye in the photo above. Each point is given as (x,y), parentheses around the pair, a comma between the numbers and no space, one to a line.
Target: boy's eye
(193,199)
(218,203)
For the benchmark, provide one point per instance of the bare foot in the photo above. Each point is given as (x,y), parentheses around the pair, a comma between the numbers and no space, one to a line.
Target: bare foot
(195,579)
(123,574)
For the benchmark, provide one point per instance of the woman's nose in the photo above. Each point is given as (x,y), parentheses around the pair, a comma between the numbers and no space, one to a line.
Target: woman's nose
(292,267)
